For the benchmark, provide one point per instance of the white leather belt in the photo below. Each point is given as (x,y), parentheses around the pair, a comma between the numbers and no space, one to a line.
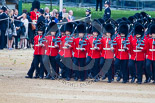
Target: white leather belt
(121,49)
(137,50)
(151,49)
(106,48)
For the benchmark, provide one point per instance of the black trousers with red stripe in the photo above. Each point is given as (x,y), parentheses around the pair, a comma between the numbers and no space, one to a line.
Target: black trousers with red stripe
(79,67)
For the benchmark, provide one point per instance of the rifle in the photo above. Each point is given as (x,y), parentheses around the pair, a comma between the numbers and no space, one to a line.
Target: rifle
(82,43)
(69,39)
(56,40)
(112,42)
(153,41)
(96,42)
(126,41)
(139,42)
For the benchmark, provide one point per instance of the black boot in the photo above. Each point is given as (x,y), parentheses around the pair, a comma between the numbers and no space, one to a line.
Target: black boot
(133,80)
(118,79)
(48,76)
(28,77)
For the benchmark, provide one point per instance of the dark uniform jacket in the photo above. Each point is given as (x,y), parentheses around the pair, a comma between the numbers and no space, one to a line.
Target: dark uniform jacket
(107,14)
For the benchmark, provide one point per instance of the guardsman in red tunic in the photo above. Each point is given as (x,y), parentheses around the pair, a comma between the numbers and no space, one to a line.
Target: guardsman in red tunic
(150,61)
(52,48)
(80,50)
(94,52)
(122,54)
(137,53)
(66,50)
(35,14)
(39,51)
(107,54)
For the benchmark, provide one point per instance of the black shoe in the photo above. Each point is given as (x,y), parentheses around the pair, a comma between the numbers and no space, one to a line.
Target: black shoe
(41,77)
(90,76)
(82,80)
(133,80)
(28,77)
(36,77)
(104,78)
(96,80)
(149,80)
(68,79)
(118,79)
(109,81)
(76,79)
(48,77)
(52,78)
(139,82)
(59,77)
(146,81)
(153,82)
(124,82)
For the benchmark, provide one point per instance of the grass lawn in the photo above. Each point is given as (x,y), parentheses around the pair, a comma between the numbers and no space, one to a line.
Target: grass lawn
(80,12)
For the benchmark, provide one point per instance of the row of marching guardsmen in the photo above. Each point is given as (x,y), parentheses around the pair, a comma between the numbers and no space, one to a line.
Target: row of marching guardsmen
(73,52)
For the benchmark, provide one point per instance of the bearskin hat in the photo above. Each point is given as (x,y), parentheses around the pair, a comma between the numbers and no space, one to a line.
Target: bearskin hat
(144,14)
(41,26)
(35,4)
(131,19)
(53,27)
(96,28)
(139,29)
(69,27)
(123,28)
(109,29)
(81,28)
(152,29)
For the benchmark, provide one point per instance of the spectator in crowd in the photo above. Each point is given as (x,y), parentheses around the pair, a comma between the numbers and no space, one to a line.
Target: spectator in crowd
(47,19)
(61,14)
(70,16)
(17,25)
(24,37)
(47,11)
(53,13)
(57,18)
(3,27)
(11,30)
(65,18)
(41,16)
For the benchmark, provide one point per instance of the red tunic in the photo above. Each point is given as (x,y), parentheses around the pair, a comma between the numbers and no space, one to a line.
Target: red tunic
(68,51)
(38,50)
(138,55)
(121,53)
(33,15)
(106,49)
(150,49)
(80,53)
(94,53)
(51,51)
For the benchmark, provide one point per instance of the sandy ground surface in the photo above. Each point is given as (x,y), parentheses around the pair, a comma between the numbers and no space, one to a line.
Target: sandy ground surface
(14,88)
